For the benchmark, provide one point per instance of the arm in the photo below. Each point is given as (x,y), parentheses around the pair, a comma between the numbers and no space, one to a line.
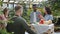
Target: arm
(31,15)
(40,15)
(24,24)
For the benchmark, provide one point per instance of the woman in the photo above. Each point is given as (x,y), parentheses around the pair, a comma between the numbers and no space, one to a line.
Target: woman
(47,14)
(4,17)
(6,12)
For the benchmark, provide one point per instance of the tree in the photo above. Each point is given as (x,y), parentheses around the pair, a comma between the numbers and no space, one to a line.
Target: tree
(55,4)
(25,15)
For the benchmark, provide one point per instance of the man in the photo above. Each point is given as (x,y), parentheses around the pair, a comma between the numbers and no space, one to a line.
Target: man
(34,16)
(19,26)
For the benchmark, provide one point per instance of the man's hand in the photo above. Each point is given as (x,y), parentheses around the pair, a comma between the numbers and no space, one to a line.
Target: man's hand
(33,28)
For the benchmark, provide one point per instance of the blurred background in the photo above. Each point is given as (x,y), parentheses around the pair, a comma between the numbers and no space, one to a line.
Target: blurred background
(27,8)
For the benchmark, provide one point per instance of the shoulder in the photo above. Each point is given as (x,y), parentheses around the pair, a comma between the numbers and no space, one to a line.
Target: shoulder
(22,19)
(2,17)
(38,11)
(19,19)
(51,15)
(31,13)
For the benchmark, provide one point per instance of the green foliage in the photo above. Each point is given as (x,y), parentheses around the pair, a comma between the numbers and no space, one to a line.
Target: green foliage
(55,6)
(1,2)
(1,12)
(11,14)
(25,12)
(3,31)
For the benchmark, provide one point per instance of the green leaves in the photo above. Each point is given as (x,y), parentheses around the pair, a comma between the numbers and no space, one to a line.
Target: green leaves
(1,2)
(55,5)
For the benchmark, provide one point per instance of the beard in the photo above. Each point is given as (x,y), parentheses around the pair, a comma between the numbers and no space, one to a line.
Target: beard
(34,10)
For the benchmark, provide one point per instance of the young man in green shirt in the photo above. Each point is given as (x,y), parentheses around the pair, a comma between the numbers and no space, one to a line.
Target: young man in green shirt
(20,25)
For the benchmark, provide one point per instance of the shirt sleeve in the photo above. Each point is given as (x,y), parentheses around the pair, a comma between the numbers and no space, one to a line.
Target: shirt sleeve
(31,15)
(24,24)
(48,17)
(51,17)
(39,12)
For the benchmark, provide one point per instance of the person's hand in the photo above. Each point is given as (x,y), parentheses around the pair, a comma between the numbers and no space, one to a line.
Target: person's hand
(33,28)
(40,16)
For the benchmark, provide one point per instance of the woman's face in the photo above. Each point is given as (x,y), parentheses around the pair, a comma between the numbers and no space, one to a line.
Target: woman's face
(7,12)
(45,11)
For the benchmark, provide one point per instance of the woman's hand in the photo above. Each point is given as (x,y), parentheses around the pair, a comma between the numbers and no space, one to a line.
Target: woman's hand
(40,16)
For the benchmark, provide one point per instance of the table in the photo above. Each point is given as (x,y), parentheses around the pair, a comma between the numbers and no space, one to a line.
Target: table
(26,33)
(42,28)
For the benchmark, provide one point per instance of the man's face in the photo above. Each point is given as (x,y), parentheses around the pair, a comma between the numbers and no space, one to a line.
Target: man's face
(19,12)
(34,8)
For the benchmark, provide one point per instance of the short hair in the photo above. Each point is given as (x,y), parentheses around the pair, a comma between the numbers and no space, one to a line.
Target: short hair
(17,8)
(5,10)
(34,5)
